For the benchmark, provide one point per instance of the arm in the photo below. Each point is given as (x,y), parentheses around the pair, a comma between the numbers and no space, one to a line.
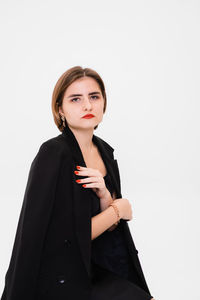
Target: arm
(104,203)
(103,221)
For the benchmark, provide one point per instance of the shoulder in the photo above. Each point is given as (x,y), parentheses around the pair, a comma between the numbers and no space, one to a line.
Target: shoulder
(55,145)
(52,151)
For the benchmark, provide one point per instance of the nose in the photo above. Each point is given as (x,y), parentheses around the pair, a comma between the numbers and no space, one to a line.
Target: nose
(87,104)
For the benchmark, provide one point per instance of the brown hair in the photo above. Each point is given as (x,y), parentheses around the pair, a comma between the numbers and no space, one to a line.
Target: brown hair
(62,84)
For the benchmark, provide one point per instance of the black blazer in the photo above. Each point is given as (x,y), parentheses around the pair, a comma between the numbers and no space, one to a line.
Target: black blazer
(52,247)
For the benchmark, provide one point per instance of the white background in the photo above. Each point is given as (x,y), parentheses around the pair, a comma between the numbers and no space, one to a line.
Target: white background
(147,53)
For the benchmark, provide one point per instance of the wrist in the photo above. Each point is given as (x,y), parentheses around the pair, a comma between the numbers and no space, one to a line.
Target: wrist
(115,207)
(117,203)
(107,198)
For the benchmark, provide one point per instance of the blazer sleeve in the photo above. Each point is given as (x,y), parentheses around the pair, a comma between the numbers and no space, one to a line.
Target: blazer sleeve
(21,276)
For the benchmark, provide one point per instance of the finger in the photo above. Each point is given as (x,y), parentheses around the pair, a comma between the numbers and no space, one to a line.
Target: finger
(88,172)
(84,168)
(81,167)
(90,179)
(93,185)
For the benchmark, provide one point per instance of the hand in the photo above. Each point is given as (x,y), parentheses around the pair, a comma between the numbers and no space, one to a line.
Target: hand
(95,181)
(125,208)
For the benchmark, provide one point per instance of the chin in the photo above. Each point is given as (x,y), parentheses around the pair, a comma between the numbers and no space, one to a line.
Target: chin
(86,127)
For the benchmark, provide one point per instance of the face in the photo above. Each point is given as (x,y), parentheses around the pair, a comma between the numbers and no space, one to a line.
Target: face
(83,97)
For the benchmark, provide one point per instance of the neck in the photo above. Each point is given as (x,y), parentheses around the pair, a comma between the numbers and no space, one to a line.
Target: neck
(84,139)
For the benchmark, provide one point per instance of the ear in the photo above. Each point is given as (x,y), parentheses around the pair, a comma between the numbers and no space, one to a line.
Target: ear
(60,110)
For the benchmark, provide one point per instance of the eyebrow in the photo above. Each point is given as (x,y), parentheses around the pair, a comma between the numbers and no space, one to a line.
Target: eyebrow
(75,95)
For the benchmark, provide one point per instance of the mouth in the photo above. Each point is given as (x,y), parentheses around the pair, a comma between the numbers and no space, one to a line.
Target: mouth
(88,116)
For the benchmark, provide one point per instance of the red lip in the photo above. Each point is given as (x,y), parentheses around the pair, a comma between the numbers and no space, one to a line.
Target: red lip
(88,116)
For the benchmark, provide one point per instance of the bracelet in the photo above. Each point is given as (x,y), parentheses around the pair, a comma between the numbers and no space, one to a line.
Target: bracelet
(117,212)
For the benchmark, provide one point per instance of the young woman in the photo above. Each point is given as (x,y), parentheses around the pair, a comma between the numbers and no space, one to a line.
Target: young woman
(72,239)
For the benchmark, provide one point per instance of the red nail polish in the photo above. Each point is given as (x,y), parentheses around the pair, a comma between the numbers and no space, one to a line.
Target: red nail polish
(78,180)
(76,172)
(78,167)
(84,185)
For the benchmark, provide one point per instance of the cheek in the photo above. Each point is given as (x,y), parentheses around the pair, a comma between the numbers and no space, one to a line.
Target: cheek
(74,114)
(100,109)
(99,114)
(99,106)
(69,111)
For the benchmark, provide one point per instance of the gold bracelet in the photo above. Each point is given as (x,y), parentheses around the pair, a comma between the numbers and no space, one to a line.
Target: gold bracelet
(117,212)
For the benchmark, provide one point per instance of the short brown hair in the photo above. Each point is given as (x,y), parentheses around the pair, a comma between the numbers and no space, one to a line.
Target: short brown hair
(62,84)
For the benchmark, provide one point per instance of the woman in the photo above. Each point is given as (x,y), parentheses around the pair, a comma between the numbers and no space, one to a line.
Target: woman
(72,239)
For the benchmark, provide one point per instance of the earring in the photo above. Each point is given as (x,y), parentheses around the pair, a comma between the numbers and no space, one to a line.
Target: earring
(63,119)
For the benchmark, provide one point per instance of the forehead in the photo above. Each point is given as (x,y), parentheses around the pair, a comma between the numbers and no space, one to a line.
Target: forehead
(83,85)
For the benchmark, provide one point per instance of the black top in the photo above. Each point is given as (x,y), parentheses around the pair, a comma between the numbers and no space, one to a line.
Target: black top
(109,249)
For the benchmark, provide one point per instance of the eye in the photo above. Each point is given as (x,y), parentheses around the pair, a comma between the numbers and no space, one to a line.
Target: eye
(74,99)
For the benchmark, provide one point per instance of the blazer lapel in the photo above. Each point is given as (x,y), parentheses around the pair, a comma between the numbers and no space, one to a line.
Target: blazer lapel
(111,164)
(82,197)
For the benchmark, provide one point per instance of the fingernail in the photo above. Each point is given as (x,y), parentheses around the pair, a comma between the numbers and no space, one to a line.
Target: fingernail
(84,185)
(78,167)
(78,180)
(76,172)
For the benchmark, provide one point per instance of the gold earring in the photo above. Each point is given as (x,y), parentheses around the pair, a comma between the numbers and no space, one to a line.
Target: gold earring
(63,119)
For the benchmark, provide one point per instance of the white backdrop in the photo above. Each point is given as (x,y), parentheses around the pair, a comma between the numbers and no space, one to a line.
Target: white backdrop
(147,53)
